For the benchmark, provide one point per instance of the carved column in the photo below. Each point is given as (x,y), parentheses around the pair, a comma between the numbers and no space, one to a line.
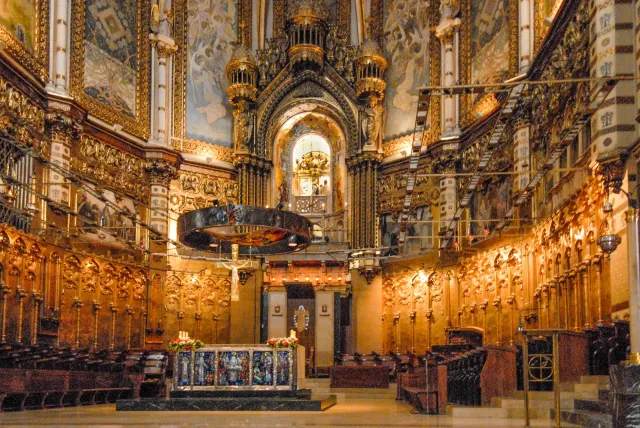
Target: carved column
(60,40)
(448,33)
(364,169)
(526,34)
(162,168)
(448,197)
(163,48)
(63,131)
(521,154)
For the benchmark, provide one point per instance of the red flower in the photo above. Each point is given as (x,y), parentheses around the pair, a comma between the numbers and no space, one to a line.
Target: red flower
(285,343)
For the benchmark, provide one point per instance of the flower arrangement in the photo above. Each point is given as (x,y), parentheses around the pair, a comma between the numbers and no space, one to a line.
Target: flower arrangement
(283,342)
(185,344)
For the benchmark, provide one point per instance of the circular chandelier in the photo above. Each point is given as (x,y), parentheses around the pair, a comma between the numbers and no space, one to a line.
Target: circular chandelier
(256,230)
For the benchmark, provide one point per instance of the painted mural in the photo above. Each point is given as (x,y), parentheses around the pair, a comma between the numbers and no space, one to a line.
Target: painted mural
(110,50)
(489,41)
(406,35)
(19,18)
(102,222)
(489,205)
(210,34)
(545,14)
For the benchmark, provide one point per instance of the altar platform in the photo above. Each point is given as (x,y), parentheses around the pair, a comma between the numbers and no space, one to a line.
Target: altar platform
(301,401)
(234,378)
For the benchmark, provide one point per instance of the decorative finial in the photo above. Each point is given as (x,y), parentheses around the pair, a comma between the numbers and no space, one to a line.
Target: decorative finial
(371,25)
(241,26)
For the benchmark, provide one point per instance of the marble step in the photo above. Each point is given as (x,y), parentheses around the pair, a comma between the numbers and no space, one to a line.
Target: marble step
(597,406)
(476,412)
(548,395)
(513,403)
(585,418)
(602,380)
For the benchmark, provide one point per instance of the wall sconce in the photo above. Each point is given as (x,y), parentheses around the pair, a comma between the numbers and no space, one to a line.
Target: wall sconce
(244,275)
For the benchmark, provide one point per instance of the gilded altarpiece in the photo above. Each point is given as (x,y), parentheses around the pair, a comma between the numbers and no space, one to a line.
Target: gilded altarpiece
(544,13)
(489,53)
(110,61)
(24,30)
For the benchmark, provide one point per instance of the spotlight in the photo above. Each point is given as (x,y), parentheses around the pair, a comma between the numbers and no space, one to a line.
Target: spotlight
(216,203)
(280,206)
(213,244)
(293,241)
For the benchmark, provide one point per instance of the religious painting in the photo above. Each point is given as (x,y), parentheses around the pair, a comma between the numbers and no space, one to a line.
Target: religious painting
(419,234)
(233,368)
(489,41)
(283,368)
(113,78)
(107,219)
(262,368)
(490,203)
(19,18)
(24,33)
(210,33)
(406,44)
(184,369)
(204,368)
(545,13)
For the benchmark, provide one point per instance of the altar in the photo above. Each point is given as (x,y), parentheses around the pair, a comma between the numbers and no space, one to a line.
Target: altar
(235,378)
(236,367)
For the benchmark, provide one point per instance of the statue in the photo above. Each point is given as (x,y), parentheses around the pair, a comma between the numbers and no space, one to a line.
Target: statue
(370,128)
(449,9)
(283,192)
(298,316)
(200,368)
(244,129)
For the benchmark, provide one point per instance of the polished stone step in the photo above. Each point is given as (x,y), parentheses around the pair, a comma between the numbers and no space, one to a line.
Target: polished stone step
(300,393)
(280,404)
(586,418)
(597,406)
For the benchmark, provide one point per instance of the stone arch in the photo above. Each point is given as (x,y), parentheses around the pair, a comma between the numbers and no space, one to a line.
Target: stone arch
(273,102)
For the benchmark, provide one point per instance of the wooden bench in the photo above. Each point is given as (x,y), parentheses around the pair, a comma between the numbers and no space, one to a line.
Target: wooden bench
(37,389)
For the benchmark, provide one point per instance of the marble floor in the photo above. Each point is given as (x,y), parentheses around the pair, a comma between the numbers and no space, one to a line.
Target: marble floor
(351,413)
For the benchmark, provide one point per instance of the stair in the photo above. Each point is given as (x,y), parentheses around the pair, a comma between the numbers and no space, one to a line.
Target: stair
(579,402)
(594,412)
(322,387)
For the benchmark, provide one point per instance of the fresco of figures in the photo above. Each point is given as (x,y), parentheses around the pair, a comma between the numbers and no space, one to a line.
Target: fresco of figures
(111,53)
(406,38)
(210,34)
(19,18)
(490,48)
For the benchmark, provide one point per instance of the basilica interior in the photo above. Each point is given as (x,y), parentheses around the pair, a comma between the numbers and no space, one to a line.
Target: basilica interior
(437,199)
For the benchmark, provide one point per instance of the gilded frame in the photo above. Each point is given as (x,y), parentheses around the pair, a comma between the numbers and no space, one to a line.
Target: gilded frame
(179,138)
(141,124)
(486,104)
(36,63)
(538,19)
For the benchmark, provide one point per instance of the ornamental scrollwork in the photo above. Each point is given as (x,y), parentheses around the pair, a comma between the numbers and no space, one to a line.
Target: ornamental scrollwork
(112,167)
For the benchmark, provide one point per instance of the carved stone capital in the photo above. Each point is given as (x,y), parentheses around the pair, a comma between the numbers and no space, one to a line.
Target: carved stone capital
(613,167)
(447,29)
(58,123)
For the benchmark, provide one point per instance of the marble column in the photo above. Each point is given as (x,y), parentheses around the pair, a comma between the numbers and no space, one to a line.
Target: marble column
(448,199)
(448,33)
(163,48)
(63,131)
(526,34)
(521,154)
(161,169)
(59,78)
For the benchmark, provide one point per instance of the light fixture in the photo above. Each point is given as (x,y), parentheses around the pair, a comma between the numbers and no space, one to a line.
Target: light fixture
(213,244)
(216,203)
(293,241)
(306,278)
